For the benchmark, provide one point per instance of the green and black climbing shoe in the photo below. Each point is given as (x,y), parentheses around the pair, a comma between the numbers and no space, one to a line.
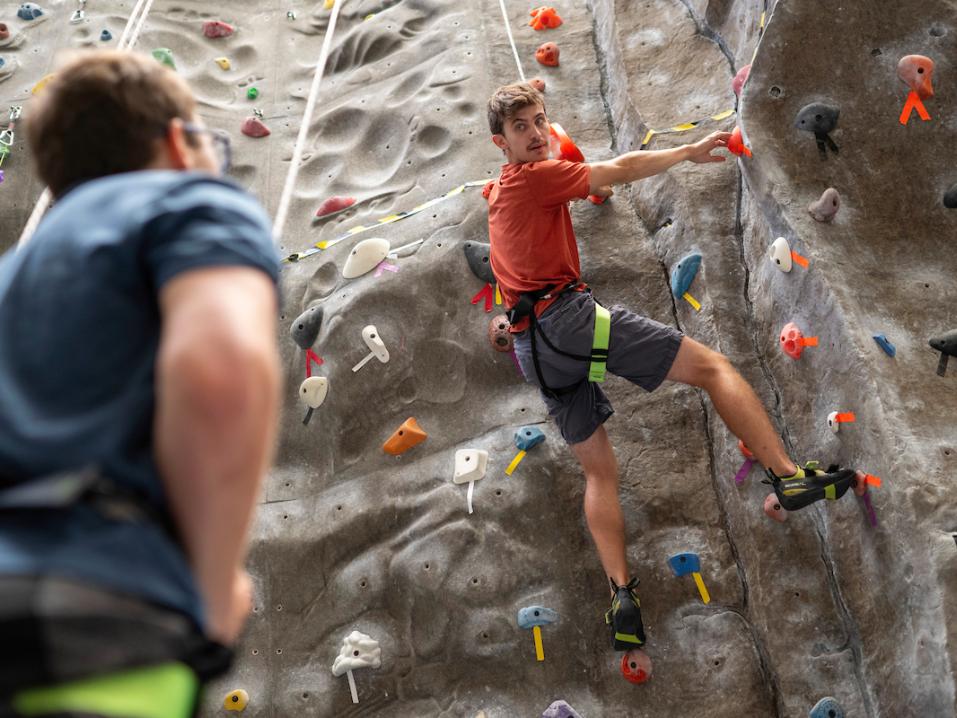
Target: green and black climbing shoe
(624,617)
(811,484)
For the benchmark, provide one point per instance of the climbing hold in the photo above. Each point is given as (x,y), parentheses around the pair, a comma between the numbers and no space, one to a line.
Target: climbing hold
(44,81)
(217,28)
(477,255)
(470,465)
(331,205)
(223,63)
(544,18)
(782,255)
(793,341)
(377,349)
(252,93)
(499,335)
(736,144)
(29,11)
(329,4)
(746,466)
(560,709)
(562,145)
(821,119)
(636,666)
(548,54)
(404,438)
(313,391)
(535,617)
(164,56)
(683,274)
(79,15)
(825,209)
(4,31)
(253,126)
(916,71)
(305,328)
(684,563)
(538,83)
(826,708)
(950,198)
(739,79)
(745,451)
(836,418)
(358,651)
(290,15)
(884,343)
(946,344)
(106,36)
(774,510)
(236,700)
(365,257)
(528,437)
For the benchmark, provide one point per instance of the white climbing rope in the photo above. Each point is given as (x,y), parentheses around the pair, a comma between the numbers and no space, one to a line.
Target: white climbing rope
(283,210)
(511,40)
(131,33)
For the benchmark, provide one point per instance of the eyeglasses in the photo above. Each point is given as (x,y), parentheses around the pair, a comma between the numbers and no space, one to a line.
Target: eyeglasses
(221,144)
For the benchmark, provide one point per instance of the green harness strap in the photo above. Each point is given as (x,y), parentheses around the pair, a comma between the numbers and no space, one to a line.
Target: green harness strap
(164,691)
(599,346)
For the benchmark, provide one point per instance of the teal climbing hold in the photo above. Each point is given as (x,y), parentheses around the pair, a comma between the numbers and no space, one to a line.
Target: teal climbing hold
(532,616)
(528,437)
(684,272)
(826,708)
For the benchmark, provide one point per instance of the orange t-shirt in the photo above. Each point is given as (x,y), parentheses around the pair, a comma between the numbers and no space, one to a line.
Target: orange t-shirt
(530,228)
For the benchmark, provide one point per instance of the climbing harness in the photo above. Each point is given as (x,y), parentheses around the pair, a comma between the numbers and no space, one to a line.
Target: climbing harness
(7,135)
(598,359)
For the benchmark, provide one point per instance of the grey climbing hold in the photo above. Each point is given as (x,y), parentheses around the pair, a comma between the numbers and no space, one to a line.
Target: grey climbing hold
(821,119)
(528,437)
(826,708)
(560,709)
(946,344)
(106,36)
(950,198)
(477,255)
(531,616)
(825,209)
(29,11)
(306,327)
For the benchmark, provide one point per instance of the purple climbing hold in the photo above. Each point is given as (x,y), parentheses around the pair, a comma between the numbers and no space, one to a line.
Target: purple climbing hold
(825,209)
(560,709)
(1,176)
(29,11)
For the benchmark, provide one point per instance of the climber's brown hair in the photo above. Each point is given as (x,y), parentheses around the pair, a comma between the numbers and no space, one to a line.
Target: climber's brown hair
(103,113)
(507,100)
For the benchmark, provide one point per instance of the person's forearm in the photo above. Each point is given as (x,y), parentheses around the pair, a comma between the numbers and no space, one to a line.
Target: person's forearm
(215,434)
(645,163)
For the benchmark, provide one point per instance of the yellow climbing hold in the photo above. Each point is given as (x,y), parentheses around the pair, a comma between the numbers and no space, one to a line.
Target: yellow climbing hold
(37,88)
(329,4)
(223,62)
(236,701)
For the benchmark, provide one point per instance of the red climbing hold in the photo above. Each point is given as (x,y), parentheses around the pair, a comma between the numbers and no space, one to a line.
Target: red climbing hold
(217,28)
(254,127)
(548,54)
(538,83)
(563,147)
(4,31)
(916,72)
(636,666)
(544,18)
(793,341)
(334,204)
(739,79)
(736,144)
(745,451)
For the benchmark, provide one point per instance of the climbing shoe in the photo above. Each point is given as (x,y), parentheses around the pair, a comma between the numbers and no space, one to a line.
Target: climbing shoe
(811,484)
(624,617)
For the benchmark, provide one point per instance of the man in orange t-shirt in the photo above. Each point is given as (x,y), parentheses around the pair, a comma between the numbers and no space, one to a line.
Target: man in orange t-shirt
(534,253)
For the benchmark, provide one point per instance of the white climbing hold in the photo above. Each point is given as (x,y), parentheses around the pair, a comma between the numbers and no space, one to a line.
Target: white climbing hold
(377,348)
(780,253)
(313,391)
(365,257)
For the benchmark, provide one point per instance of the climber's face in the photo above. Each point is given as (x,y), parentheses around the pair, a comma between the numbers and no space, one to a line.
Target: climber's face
(525,136)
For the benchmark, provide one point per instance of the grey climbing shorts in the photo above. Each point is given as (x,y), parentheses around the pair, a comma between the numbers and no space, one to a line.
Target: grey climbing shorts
(640,350)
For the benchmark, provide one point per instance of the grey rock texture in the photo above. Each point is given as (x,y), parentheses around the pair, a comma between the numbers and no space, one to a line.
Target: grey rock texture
(349,538)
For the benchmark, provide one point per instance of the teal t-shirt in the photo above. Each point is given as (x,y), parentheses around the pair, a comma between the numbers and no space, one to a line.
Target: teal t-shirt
(79,332)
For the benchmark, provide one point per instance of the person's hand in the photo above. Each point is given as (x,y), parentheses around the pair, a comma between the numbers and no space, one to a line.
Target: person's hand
(227,617)
(700,151)
(605,192)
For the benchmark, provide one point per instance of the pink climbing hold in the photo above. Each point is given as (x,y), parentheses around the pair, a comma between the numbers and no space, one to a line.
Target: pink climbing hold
(538,83)
(739,79)
(217,28)
(4,31)
(254,127)
(916,72)
(793,341)
(773,508)
(334,204)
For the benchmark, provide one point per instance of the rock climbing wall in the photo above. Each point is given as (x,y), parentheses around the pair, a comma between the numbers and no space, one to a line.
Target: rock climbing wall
(351,539)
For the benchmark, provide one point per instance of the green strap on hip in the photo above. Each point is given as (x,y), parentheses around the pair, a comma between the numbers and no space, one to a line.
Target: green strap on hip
(168,690)
(599,346)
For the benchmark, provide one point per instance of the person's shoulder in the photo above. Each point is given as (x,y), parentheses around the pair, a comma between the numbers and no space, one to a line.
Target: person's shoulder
(186,191)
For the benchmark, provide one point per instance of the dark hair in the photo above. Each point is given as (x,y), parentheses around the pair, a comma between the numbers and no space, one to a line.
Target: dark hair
(102,114)
(507,100)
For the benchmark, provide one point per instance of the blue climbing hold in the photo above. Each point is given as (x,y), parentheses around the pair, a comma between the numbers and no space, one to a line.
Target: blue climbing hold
(884,343)
(826,708)
(2,62)
(684,563)
(29,11)
(106,36)
(536,616)
(684,272)
(528,437)
(560,709)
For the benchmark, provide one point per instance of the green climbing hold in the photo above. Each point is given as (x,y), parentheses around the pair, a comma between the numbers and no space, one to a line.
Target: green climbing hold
(165,56)
(252,93)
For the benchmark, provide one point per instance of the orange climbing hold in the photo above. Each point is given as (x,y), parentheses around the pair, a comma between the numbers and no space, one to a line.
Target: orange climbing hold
(405,437)
(544,18)
(917,71)
(736,144)
(548,54)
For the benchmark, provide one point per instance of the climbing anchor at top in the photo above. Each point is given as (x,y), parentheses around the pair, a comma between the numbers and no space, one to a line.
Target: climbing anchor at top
(821,119)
